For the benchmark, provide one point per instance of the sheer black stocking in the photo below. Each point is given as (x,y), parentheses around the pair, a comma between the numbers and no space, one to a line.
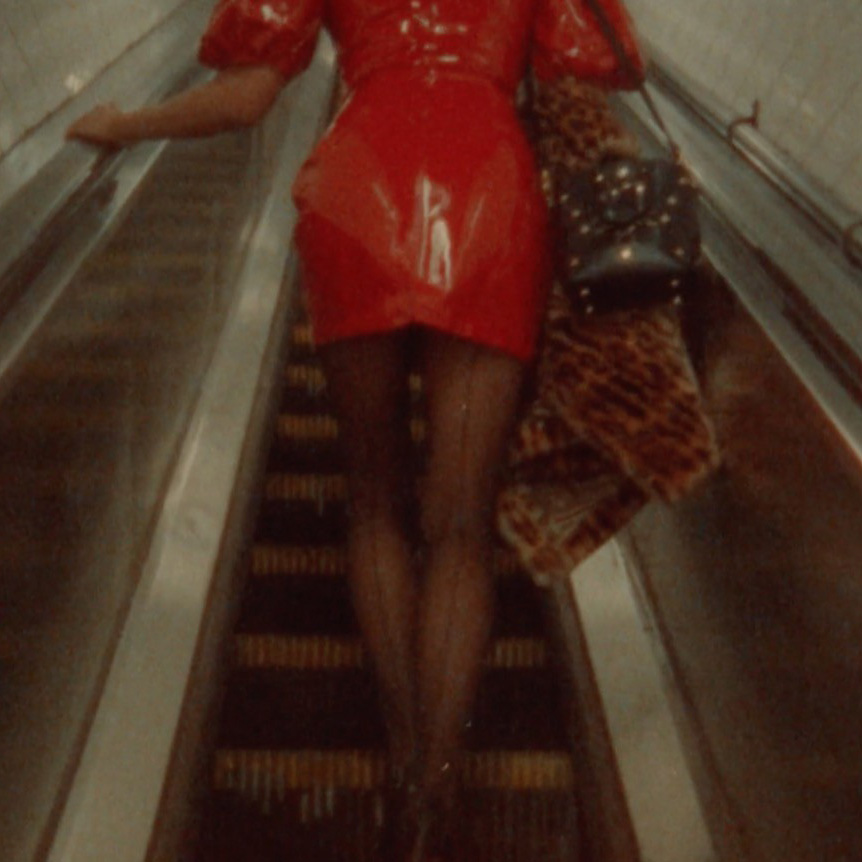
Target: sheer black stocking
(427,637)
(367,382)
(472,395)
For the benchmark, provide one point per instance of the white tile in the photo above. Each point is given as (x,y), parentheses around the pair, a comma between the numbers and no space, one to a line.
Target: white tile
(851,187)
(25,94)
(48,48)
(11,123)
(840,146)
(830,95)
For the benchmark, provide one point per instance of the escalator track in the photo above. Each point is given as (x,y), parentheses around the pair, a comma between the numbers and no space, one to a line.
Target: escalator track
(299,765)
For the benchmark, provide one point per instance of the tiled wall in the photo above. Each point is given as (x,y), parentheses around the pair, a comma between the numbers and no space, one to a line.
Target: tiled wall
(801,58)
(50,49)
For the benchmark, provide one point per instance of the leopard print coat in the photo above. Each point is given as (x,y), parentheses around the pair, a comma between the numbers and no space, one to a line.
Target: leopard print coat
(616,416)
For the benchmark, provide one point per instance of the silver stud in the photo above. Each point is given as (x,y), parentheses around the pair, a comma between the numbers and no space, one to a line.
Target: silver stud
(679,251)
(589,309)
(677,300)
(664,218)
(584,229)
(585,292)
(626,253)
(623,171)
(676,282)
(672,200)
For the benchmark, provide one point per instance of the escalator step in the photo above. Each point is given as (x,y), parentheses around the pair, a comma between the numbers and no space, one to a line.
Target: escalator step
(305,390)
(302,522)
(303,606)
(336,708)
(331,560)
(308,605)
(286,652)
(323,823)
(308,375)
(256,774)
(295,428)
(288,560)
(317,488)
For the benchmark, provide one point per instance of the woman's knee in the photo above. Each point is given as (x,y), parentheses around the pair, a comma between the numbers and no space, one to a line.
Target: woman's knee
(447,518)
(378,497)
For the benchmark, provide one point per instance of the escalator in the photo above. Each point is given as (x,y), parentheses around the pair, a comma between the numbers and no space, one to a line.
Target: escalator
(299,765)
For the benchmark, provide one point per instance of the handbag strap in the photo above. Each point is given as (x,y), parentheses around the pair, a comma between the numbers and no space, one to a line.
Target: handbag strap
(611,35)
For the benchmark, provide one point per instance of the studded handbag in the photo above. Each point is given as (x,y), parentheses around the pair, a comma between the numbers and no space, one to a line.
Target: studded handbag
(627,232)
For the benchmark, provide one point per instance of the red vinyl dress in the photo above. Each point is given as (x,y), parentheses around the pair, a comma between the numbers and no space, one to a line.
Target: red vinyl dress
(421,203)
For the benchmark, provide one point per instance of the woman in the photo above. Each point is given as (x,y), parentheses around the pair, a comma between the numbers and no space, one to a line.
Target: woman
(421,221)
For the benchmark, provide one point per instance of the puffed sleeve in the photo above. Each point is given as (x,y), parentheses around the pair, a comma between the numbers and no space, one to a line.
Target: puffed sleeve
(568,40)
(277,33)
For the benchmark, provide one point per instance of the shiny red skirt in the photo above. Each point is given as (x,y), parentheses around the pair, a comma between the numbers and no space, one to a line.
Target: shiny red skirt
(421,206)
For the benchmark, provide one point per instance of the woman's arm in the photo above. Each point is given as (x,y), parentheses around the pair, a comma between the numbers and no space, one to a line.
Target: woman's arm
(236,98)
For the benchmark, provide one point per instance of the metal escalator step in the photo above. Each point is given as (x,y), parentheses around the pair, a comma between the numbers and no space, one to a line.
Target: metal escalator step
(337,707)
(305,454)
(304,522)
(303,606)
(311,605)
(301,334)
(255,774)
(322,824)
(324,561)
(305,390)
(292,426)
(288,709)
(318,488)
(287,652)
(298,427)
(309,376)
(287,560)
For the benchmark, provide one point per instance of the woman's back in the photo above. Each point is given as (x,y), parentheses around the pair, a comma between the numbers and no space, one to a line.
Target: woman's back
(488,38)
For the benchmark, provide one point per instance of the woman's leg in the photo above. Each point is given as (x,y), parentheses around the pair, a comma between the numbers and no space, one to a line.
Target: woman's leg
(472,395)
(367,382)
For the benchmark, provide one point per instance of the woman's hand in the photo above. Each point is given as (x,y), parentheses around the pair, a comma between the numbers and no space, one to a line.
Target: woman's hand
(235,99)
(100,126)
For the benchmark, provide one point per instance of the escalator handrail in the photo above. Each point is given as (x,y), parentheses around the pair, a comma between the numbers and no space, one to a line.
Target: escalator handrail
(834,219)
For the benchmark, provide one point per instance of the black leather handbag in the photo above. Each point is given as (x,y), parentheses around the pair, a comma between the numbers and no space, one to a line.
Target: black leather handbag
(627,230)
